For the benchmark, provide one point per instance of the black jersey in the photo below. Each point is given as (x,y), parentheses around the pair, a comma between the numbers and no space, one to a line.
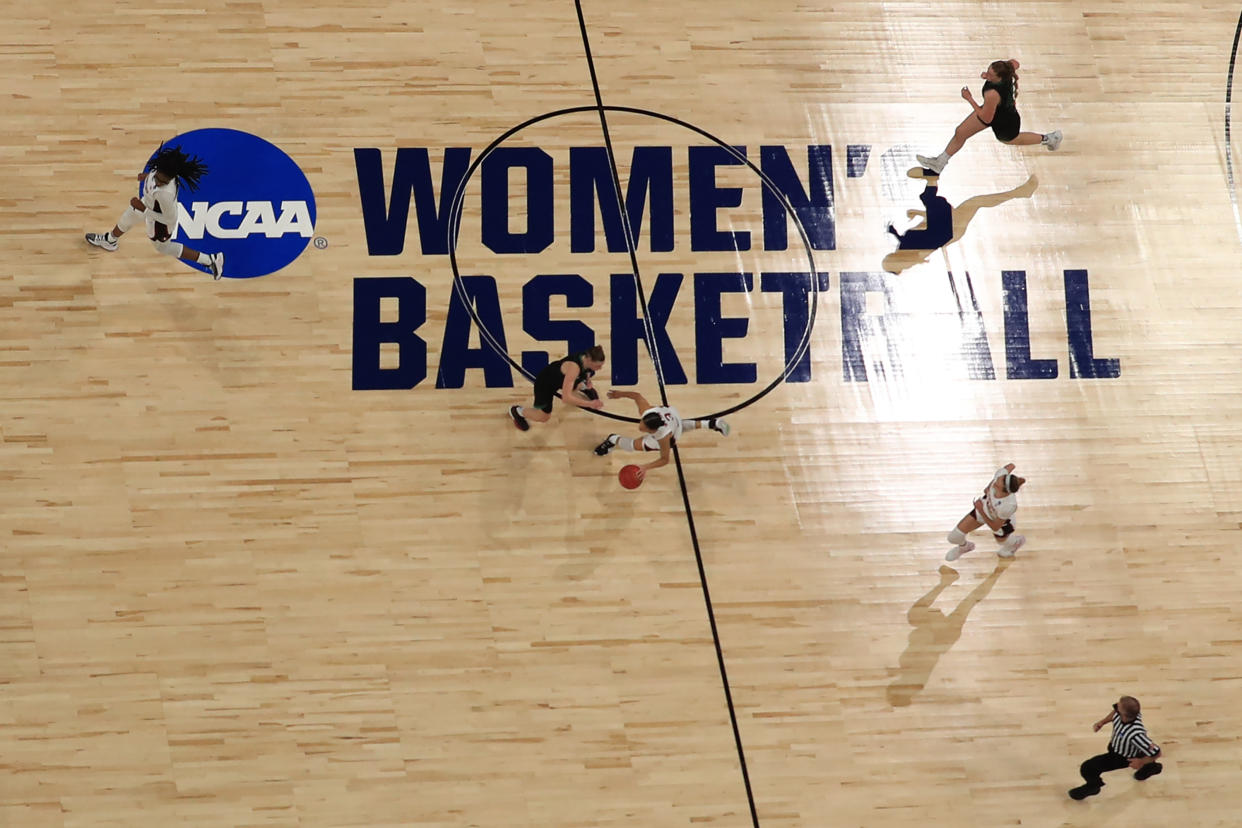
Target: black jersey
(1006,92)
(551,378)
(553,370)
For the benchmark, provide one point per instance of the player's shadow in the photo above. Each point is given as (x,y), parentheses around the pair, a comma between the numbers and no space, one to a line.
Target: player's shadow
(934,634)
(943,223)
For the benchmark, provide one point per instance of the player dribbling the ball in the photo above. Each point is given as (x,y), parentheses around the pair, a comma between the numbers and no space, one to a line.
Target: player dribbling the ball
(660,427)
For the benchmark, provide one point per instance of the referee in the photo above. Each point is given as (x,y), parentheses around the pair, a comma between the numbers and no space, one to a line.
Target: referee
(1130,746)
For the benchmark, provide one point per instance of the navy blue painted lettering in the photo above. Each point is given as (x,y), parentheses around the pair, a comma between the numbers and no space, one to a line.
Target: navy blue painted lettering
(538,233)
(1082,359)
(706,199)
(856,156)
(590,183)
(537,321)
(385,219)
(1018,362)
(975,350)
(795,290)
(456,355)
(370,332)
(628,329)
(858,329)
(712,327)
(816,211)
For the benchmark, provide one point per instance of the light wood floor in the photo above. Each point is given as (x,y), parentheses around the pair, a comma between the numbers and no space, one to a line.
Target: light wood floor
(236,592)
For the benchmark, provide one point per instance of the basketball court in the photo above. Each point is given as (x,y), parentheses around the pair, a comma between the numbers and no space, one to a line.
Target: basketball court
(274,555)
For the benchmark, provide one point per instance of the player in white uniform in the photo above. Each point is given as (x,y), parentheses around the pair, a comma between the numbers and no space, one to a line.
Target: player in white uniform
(158,208)
(660,425)
(995,509)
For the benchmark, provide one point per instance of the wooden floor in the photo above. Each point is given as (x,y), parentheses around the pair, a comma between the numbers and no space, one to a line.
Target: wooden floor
(237,592)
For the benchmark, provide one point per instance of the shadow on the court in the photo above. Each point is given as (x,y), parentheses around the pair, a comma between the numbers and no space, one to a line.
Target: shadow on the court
(943,223)
(934,634)
(1122,802)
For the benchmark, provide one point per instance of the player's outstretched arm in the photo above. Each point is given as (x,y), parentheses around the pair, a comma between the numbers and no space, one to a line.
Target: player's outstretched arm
(639,399)
(570,395)
(666,449)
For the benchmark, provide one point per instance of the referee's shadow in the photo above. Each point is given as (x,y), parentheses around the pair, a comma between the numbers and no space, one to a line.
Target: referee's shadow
(934,634)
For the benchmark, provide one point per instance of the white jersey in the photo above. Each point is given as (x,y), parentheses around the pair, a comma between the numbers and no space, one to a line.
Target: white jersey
(161,204)
(999,508)
(671,425)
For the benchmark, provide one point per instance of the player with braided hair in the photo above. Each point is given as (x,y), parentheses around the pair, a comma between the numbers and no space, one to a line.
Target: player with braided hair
(167,168)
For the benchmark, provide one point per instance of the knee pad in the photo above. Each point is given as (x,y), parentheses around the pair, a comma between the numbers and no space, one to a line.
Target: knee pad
(168,248)
(957,537)
(650,443)
(130,219)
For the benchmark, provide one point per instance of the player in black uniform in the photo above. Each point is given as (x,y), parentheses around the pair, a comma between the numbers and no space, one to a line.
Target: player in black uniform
(998,111)
(572,377)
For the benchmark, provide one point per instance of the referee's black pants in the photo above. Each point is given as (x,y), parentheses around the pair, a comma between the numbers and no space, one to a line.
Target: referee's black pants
(1093,767)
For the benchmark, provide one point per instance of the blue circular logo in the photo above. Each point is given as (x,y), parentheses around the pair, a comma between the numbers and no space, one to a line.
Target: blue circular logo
(254,204)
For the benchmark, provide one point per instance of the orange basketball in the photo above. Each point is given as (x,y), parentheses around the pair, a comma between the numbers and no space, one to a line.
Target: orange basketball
(629,477)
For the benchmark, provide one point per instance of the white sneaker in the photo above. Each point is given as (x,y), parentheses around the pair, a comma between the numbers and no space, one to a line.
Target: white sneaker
(1009,547)
(215,263)
(721,426)
(1053,139)
(100,240)
(936,165)
(958,551)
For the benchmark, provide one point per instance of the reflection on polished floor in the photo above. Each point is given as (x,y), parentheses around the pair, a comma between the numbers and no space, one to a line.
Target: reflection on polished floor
(275,555)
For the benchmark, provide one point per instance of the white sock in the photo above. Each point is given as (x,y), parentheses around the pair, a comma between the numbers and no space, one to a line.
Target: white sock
(626,443)
(109,237)
(956,537)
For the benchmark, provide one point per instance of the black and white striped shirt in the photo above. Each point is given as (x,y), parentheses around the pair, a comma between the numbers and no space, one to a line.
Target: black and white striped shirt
(1130,739)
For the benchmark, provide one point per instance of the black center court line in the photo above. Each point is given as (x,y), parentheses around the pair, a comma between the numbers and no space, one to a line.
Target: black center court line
(655,358)
(457,204)
(1233,193)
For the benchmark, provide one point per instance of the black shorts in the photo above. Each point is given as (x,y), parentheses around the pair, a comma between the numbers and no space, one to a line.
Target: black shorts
(1006,528)
(547,383)
(1006,125)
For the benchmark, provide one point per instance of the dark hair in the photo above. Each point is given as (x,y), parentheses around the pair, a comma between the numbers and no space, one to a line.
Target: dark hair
(1012,483)
(1130,705)
(174,163)
(652,420)
(596,353)
(1005,71)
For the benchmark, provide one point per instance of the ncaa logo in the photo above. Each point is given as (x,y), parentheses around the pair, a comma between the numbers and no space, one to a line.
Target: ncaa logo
(254,204)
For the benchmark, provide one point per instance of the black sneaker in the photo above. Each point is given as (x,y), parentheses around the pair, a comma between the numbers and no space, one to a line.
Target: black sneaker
(610,442)
(1148,770)
(518,420)
(1084,791)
